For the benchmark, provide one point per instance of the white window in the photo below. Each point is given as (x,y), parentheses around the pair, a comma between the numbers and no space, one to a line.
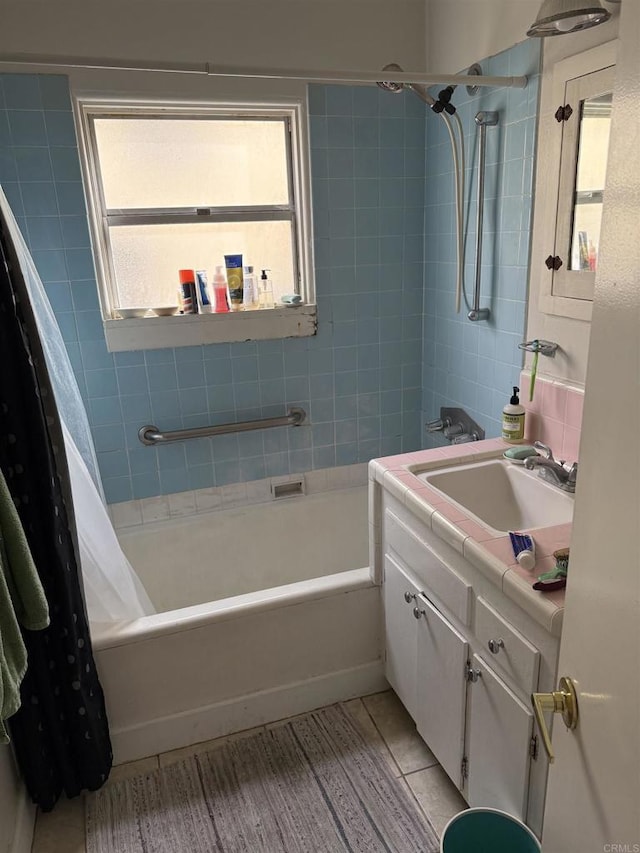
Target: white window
(174,188)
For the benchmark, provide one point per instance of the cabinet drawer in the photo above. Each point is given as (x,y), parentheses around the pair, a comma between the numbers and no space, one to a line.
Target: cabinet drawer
(515,656)
(441,581)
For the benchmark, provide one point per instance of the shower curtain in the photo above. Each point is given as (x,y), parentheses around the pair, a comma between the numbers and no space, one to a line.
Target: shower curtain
(60,733)
(113,592)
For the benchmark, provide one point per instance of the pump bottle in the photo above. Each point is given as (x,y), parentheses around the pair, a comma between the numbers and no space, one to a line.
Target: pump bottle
(513,419)
(266,290)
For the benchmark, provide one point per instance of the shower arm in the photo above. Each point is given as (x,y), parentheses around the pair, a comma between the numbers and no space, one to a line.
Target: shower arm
(485,119)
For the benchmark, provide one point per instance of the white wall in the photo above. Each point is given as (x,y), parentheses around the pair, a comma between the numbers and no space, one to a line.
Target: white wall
(16,817)
(8,798)
(278,33)
(461,32)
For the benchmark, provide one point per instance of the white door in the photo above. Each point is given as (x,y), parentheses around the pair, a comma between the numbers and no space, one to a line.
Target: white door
(441,689)
(593,798)
(400,596)
(499,729)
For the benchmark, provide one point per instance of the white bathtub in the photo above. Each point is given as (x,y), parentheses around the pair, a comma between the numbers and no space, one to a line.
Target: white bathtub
(265,611)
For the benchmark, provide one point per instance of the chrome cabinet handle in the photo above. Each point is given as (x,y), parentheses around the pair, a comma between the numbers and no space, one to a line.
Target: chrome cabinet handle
(409,597)
(495,645)
(418,613)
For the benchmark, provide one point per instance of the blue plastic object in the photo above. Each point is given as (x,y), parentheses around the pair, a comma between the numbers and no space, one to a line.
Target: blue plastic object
(484,830)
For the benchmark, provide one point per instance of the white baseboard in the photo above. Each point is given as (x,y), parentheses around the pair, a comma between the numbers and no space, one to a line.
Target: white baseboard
(25,824)
(188,727)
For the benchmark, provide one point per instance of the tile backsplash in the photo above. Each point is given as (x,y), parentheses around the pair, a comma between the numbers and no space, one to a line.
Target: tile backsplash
(554,416)
(358,378)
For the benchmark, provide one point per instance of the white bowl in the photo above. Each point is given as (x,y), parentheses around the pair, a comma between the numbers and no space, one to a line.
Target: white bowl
(165,310)
(128,313)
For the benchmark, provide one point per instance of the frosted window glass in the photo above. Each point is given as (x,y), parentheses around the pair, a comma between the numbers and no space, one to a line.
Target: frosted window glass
(152,163)
(147,258)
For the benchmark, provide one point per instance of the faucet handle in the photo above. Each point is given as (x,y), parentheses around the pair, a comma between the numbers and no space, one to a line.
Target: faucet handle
(545,449)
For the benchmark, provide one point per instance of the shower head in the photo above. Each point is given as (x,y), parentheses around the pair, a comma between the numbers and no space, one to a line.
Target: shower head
(419,90)
(389,85)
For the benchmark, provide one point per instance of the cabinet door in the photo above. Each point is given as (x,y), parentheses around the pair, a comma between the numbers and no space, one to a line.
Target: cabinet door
(442,659)
(399,596)
(499,728)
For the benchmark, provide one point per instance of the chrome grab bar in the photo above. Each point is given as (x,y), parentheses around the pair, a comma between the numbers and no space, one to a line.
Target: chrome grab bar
(151,435)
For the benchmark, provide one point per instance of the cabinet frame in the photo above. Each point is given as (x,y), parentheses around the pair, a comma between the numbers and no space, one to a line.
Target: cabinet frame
(391,511)
(553,214)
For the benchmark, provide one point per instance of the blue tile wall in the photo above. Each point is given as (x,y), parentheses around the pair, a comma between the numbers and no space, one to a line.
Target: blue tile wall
(474,365)
(359,378)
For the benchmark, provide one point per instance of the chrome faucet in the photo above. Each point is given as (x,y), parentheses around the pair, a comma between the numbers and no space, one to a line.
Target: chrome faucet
(561,474)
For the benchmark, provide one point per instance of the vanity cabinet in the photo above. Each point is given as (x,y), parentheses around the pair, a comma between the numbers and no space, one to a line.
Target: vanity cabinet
(464,660)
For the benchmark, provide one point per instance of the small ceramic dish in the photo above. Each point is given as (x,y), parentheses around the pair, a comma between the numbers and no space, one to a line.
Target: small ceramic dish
(165,310)
(129,313)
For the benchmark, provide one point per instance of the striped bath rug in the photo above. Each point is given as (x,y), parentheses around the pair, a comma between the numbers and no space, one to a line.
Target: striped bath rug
(312,785)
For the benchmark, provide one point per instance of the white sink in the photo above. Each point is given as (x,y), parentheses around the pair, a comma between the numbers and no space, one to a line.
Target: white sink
(502,495)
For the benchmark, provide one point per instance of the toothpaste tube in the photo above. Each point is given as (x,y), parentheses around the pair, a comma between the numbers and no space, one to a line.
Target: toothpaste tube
(524,549)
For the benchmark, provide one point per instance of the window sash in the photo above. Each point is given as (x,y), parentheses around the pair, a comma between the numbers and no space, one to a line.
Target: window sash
(158,216)
(151,216)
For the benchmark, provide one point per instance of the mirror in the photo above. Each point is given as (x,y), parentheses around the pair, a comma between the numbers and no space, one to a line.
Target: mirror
(585,120)
(588,196)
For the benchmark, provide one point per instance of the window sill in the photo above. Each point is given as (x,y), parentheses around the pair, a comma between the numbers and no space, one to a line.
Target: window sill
(197,329)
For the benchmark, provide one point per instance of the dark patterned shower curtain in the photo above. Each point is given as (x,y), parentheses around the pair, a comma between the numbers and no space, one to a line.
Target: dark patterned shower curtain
(60,734)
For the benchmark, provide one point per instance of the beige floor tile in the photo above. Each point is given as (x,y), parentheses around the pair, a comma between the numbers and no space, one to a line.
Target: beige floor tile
(399,732)
(62,830)
(437,795)
(357,709)
(176,755)
(133,768)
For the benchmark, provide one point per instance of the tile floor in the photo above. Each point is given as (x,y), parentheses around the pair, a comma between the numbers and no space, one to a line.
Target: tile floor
(381,716)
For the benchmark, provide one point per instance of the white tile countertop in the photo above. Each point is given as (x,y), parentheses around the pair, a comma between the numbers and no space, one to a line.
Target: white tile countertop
(490,553)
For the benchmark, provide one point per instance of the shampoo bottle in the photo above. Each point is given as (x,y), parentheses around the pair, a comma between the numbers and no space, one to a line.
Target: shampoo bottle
(513,419)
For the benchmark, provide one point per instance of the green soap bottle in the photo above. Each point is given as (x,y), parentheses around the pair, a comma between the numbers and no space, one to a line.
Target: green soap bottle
(513,419)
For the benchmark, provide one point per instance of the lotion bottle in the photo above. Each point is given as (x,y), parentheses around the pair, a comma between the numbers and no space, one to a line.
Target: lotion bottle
(250,294)
(513,419)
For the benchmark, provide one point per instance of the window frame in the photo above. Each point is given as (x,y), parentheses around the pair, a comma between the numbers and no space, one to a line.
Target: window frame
(154,332)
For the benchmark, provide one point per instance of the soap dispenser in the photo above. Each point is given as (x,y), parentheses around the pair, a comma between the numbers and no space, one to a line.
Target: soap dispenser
(513,419)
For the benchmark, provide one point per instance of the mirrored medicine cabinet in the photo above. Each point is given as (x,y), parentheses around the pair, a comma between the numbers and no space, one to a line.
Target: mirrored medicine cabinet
(574,143)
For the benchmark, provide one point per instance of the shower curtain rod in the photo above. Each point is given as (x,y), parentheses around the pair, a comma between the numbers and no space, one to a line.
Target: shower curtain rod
(312,76)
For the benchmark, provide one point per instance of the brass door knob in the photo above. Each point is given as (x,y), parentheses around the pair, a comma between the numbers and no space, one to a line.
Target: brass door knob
(563,701)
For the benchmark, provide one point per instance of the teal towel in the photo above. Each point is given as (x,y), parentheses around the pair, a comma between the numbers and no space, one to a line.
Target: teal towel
(22,602)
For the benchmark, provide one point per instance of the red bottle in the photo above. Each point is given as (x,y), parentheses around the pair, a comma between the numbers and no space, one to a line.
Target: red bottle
(188,298)
(220,301)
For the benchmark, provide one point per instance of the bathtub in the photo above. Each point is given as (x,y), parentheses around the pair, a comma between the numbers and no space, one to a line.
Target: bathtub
(264,611)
